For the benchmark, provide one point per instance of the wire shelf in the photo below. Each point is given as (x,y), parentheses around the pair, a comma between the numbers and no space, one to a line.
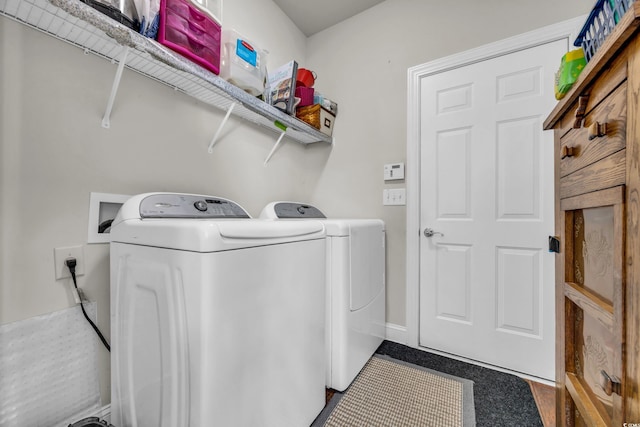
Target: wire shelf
(80,25)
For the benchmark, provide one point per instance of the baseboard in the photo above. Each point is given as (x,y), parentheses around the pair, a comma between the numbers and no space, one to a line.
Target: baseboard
(396,333)
(489,366)
(104,413)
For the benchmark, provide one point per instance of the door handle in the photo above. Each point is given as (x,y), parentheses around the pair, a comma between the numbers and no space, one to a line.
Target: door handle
(583,100)
(429,232)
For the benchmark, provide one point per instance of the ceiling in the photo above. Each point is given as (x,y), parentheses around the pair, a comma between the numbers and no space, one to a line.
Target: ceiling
(313,16)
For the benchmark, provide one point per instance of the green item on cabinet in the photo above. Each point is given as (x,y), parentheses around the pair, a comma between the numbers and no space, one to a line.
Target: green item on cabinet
(571,65)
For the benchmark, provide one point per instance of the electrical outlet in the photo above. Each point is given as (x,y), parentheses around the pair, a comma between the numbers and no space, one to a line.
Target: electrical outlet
(60,255)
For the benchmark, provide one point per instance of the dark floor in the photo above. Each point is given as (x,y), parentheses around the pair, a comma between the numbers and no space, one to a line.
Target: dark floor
(500,399)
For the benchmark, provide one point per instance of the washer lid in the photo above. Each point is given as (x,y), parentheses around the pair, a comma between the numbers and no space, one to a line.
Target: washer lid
(213,235)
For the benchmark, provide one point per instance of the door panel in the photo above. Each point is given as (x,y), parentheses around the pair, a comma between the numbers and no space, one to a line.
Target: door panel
(454,195)
(518,152)
(453,284)
(486,282)
(519,85)
(518,285)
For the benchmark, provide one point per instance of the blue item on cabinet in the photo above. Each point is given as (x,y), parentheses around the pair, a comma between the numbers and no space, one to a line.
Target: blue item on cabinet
(601,21)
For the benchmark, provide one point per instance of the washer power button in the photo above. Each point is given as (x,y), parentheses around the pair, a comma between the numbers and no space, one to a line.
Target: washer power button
(201,205)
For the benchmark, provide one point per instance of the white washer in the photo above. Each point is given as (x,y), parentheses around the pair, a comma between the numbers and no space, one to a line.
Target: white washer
(355,321)
(216,319)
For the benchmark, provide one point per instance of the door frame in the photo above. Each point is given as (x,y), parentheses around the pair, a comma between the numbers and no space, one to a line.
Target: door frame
(563,30)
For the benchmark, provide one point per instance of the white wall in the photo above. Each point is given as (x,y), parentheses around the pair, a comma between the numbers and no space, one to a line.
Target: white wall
(363,62)
(54,151)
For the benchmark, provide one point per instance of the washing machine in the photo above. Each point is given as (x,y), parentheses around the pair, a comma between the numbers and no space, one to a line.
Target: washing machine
(216,319)
(355,320)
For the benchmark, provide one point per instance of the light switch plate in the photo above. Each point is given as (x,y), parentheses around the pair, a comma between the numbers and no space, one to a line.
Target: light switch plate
(394,197)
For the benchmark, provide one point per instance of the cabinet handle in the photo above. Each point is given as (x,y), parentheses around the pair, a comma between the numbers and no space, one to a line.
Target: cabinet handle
(609,384)
(597,130)
(567,152)
(580,111)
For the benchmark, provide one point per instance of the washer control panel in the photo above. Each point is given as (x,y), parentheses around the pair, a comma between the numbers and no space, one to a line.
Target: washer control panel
(189,206)
(296,210)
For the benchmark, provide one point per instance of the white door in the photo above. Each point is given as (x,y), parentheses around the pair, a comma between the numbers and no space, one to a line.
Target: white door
(486,282)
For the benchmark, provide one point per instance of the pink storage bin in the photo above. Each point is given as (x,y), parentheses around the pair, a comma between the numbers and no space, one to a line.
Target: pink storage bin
(305,94)
(194,14)
(191,32)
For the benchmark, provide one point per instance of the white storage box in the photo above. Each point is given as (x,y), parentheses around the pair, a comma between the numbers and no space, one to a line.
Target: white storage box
(243,63)
(326,121)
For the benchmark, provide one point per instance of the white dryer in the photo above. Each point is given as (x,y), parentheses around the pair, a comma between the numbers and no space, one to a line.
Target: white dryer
(355,321)
(216,318)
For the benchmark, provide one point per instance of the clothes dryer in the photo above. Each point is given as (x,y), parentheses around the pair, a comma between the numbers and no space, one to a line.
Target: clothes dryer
(355,320)
(216,318)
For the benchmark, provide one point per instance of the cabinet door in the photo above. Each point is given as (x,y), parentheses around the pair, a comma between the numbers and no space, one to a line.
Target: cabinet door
(594,307)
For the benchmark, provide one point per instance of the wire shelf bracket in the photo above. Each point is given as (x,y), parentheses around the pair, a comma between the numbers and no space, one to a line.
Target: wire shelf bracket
(224,122)
(275,147)
(106,119)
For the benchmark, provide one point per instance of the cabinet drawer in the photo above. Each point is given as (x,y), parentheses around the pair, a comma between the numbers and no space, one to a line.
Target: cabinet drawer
(610,79)
(606,173)
(582,151)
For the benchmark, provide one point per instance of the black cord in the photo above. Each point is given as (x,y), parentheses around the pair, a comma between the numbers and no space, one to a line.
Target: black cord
(71,264)
(104,226)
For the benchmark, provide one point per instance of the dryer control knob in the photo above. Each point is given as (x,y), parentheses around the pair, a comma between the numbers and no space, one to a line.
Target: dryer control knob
(201,205)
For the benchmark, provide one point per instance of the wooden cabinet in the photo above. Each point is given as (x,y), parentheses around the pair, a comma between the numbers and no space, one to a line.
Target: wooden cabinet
(597,178)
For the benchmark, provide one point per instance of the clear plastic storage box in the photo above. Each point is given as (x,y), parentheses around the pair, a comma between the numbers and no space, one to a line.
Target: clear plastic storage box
(243,63)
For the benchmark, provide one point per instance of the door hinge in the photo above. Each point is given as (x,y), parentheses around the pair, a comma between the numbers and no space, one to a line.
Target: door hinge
(554,244)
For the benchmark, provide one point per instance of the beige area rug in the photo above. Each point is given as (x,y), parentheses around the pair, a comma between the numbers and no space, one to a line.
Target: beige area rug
(389,392)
